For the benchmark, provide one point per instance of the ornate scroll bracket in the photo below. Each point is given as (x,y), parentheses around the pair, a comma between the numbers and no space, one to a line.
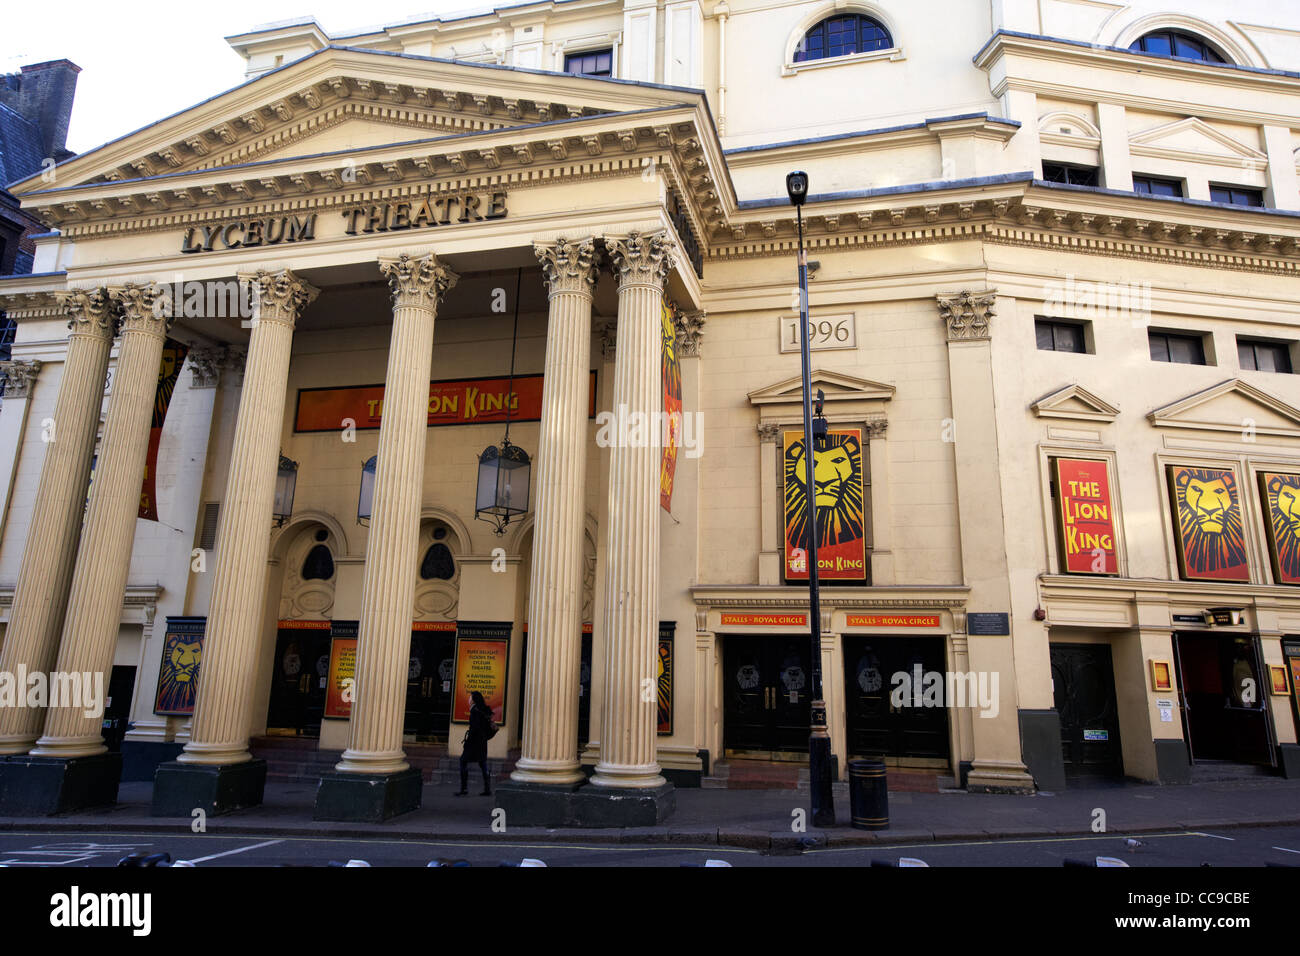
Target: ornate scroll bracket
(968,314)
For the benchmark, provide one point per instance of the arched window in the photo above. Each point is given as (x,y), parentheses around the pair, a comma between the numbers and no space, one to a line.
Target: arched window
(1177,43)
(842,35)
(319,563)
(438,562)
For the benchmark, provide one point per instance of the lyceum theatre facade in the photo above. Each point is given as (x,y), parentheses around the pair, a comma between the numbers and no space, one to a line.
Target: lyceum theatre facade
(268,340)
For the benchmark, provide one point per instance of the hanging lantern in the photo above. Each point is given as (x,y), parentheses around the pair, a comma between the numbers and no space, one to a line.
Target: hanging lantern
(504,471)
(503,480)
(286,480)
(367,496)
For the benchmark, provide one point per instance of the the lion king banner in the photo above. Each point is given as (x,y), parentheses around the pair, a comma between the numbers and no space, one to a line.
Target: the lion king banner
(840,496)
(169,370)
(672,376)
(1281,497)
(1208,524)
(178,677)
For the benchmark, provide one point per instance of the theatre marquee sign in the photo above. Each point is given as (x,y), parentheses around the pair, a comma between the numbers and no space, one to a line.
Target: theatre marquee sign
(419,212)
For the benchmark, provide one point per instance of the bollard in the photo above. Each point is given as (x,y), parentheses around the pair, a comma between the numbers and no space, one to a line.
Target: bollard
(868,795)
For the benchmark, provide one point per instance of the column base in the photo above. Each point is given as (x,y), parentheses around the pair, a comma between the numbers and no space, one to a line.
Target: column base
(987,776)
(1040,747)
(579,805)
(142,758)
(367,797)
(43,786)
(181,788)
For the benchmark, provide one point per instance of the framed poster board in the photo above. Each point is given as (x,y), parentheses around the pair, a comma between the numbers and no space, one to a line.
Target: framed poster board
(1208,527)
(482,656)
(1085,516)
(664,681)
(840,504)
(341,684)
(178,676)
(1280,496)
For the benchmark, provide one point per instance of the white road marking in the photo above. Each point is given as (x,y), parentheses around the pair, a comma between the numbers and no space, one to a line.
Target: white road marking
(1214,835)
(242,849)
(1285,850)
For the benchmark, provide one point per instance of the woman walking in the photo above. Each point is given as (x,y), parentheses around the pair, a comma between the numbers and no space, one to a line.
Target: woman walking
(481,730)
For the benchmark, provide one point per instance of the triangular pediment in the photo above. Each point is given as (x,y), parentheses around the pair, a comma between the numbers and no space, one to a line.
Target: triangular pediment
(341,98)
(1231,406)
(1191,138)
(1074,402)
(838,387)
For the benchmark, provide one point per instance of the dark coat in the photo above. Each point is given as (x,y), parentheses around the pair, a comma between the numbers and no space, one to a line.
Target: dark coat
(476,738)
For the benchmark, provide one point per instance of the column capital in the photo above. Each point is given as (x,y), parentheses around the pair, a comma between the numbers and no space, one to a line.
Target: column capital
(569,265)
(968,314)
(642,258)
(89,311)
(876,427)
(690,333)
(19,377)
(769,433)
(417,281)
(145,307)
(278,296)
(205,363)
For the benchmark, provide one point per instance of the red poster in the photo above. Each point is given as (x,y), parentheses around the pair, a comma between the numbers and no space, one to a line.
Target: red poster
(480,666)
(341,688)
(472,401)
(169,370)
(1086,516)
(672,378)
(1281,494)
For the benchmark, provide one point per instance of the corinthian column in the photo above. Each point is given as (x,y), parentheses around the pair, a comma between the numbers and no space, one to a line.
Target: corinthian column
(550,744)
(45,575)
(219,733)
(91,623)
(384,639)
(631,607)
(216,772)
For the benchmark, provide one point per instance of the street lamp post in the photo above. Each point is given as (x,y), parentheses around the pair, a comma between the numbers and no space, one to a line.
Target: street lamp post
(819,741)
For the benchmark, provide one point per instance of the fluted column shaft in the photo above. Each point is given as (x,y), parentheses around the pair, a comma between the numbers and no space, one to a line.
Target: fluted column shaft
(388,590)
(219,732)
(94,608)
(631,615)
(549,750)
(31,642)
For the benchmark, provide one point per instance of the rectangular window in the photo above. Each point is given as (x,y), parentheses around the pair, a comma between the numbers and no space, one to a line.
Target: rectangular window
(1070,175)
(1263,356)
(591,63)
(1180,349)
(1152,186)
(1237,195)
(1058,336)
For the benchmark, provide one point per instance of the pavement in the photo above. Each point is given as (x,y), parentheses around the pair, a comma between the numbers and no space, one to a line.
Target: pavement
(766,820)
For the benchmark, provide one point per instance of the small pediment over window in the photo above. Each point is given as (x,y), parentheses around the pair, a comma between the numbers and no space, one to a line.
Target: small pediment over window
(1231,406)
(1074,402)
(838,387)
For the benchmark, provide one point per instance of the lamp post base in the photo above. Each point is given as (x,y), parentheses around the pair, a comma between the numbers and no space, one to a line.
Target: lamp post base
(819,781)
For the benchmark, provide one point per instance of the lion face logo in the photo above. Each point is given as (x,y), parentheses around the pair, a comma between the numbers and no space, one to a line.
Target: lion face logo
(1209,520)
(178,682)
(837,473)
(1282,494)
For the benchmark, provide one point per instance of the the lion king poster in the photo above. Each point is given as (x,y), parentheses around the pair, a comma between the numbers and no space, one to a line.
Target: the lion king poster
(840,495)
(1281,496)
(672,379)
(169,370)
(178,677)
(1208,523)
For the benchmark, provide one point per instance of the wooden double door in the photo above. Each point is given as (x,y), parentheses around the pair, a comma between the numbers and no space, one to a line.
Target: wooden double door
(767,695)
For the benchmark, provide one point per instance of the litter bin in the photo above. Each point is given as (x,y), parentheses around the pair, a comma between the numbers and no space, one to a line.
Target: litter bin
(868,795)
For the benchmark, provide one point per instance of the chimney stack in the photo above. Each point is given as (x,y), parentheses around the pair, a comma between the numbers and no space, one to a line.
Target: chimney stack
(42,94)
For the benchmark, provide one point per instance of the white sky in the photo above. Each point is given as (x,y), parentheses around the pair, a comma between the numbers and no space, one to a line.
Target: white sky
(146,59)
